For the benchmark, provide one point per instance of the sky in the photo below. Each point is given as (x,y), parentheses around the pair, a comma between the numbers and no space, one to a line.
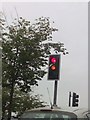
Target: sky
(71,19)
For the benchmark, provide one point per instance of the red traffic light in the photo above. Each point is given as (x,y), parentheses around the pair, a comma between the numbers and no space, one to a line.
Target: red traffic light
(53,60)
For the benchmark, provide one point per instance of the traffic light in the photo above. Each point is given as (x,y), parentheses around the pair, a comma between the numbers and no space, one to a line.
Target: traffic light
(54,67)
(75,100)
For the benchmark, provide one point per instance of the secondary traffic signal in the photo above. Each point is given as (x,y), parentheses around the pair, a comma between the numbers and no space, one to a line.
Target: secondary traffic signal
(54,67)
(75,100)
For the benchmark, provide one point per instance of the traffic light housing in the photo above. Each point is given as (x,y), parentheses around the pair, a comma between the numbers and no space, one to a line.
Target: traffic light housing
(54,67)
(75,100)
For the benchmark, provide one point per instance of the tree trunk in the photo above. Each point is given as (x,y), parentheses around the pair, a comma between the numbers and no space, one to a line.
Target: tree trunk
(11,100)
(11,95)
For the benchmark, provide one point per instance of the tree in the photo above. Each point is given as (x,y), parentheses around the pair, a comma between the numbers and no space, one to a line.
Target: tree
(24,101)
(2,22)
(25,52)
(21,101)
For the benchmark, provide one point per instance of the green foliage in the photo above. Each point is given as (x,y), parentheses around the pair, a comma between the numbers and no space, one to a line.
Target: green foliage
(24,101)
(21,101)
(26,48)
(2,21)
(25,53)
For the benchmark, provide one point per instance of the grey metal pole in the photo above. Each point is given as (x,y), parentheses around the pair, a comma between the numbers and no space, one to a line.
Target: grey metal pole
(55,93)
(69,99)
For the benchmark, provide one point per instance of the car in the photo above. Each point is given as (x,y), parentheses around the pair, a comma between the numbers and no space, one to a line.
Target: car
(47,113)
(82,113)
(14,118)
(55,114)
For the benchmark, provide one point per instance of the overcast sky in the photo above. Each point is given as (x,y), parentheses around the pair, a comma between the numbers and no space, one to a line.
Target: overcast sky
(72,21)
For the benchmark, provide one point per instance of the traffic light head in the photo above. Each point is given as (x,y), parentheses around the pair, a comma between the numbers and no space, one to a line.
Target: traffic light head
(53,67)
(75,100)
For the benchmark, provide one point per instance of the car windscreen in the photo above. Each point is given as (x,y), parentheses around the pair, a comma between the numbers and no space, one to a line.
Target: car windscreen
(52,115)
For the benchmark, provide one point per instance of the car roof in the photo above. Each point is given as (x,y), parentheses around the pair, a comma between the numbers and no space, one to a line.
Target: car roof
(78,112)
(81,111)
(51,109)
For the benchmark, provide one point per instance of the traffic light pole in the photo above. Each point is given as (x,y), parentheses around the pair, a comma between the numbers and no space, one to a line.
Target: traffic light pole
(53,73)
(55,93)
(69,99)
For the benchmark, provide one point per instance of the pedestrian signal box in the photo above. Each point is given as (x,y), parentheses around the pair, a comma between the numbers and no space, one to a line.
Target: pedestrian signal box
(54,67)
(75,100)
